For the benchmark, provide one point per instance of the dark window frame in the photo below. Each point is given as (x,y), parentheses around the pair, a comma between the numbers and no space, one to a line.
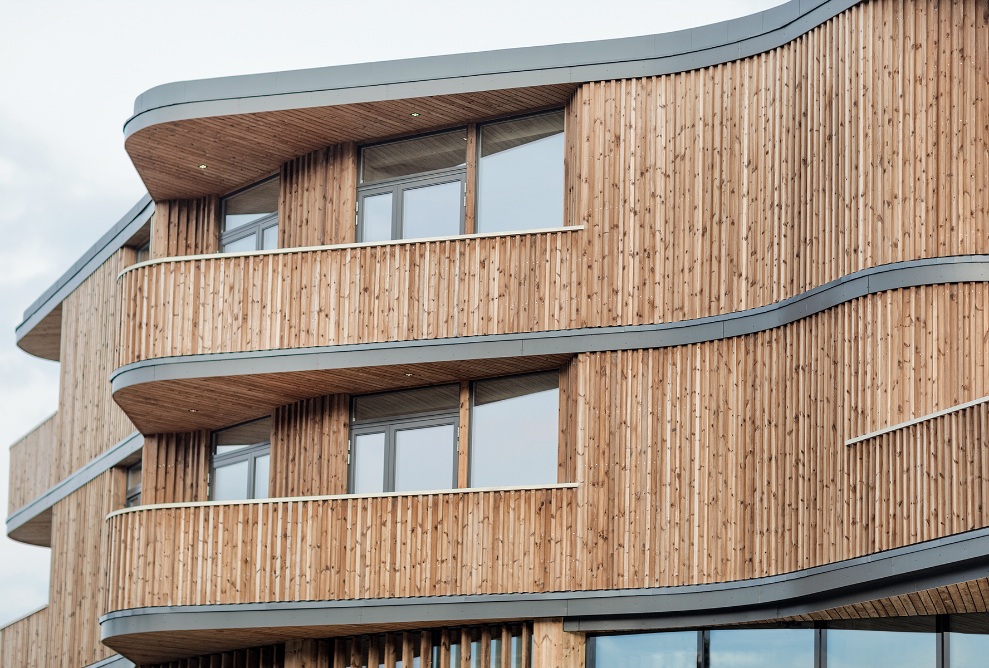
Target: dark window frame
(256,227)
(398,187)
(249,453)
(389,426)
(132,495)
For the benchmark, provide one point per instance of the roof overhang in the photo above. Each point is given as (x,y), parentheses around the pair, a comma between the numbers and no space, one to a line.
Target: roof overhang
(243,128)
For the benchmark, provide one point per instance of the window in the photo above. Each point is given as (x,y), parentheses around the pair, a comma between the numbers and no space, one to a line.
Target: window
(408,440)
(241,460)
(133,494)
(520,174)
(250,218)
(405,441)
(418,188)
(413,188)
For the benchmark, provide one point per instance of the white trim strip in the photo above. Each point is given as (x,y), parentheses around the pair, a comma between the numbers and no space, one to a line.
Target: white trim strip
(910,423)
(338,497)
(363,244)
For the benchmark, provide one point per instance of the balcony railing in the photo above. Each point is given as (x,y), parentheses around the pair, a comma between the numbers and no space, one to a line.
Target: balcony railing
(31,463)
(342,547)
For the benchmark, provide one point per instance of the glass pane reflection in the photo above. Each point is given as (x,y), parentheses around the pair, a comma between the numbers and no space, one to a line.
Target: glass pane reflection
(369,463)
(261,474)
(647,650)
(431,211)
(968,651)
(867,649)
(230,482)
(243,245)
(376,224)
(780,648)
(424,458)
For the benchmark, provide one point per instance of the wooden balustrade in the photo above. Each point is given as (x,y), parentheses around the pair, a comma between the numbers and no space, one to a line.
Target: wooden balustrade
(24,642)
(31,461)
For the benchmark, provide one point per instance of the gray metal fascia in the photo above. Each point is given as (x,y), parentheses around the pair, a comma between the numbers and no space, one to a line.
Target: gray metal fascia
(85,474)
(107,245)
(648,55)
(930,271)
(115,661)
(921,566)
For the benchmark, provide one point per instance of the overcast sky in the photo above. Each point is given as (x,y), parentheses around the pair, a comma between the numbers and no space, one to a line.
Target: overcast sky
(69,73)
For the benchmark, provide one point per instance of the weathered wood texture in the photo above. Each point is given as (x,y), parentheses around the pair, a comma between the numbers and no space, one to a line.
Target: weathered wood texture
(555,648)
(964,597)
(30,464)
(24,642)
(78,572)
(271,656)
(175,468)
(309,447)
(318,198)
(726,188)
(726,460)
(349,295)
(185,227)
(89,422)
(477,542)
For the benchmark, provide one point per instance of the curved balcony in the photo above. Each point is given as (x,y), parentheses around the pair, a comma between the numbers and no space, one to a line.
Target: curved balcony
(31,470)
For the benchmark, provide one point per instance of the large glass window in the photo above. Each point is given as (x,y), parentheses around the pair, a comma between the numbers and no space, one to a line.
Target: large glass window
(241,462)
(405,441)
(514,431)
(414,188)
(250,218)
(408,440)
(520,174)
(867,649)
(780,648)
(677,649)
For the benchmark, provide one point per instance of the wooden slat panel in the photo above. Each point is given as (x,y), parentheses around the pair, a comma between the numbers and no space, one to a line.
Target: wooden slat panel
(185,227)
(25,642)
(78,581)
(726,460)
(339,548)
(89,421)
(309,447)
(30,464)
(175,467)
(318,195)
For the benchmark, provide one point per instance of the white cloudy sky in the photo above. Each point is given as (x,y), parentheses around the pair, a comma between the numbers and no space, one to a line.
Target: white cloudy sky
(69,73)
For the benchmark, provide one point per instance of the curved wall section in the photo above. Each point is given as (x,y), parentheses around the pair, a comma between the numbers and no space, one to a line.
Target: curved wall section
(30,464)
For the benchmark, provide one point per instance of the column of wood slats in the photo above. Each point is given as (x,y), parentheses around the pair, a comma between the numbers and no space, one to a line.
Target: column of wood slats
(175,468)
(415,545)
(185,227)
(861,143)
(317,199)
(309,447)
(271,656)
(31,461)
(25,642)
(726,460)
(89,421)
(78,588)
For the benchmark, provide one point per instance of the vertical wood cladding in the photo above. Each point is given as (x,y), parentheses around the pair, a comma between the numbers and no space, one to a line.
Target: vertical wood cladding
(318,198)
(726,460)
(24,642)
(175,468)
(30,464)
(78,572)
(271,656)
(185,227)
(309,447)
(89,422)
(861,143)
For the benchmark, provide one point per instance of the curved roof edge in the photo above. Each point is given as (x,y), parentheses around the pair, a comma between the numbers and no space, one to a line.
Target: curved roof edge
(107,245)
(914,273)
(578,62)
(936,563)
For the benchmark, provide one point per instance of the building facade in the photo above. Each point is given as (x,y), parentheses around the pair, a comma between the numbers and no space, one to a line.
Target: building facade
(661,351)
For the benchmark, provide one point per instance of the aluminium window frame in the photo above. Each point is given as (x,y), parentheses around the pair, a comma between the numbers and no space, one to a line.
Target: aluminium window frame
(249,453)
(132,495)
(398,187)
(389,426)
(256,227)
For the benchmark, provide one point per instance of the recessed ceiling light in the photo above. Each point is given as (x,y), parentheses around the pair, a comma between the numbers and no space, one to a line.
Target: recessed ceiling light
(203,166)
(193,410)
(408,375)
(415,114)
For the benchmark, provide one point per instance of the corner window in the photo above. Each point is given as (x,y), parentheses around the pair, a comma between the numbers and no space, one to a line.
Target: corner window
(413,188)
(250,218)
(408,440)
(520,174)
(405,441)
(133,494)
(241,462)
